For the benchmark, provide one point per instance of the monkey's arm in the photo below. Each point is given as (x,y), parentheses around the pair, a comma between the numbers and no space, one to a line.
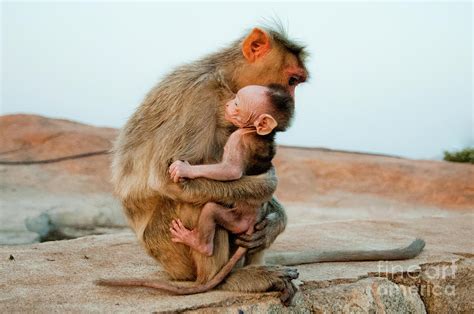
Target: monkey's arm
(201,190)
(222,171)
(230,168)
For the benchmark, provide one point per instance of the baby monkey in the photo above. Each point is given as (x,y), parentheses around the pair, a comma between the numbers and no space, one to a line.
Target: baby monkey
(258,112)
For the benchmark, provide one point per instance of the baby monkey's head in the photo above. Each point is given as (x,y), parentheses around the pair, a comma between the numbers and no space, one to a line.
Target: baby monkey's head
(266,108)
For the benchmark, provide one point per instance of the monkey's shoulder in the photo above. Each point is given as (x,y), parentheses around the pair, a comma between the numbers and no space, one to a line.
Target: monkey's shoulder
(260,151)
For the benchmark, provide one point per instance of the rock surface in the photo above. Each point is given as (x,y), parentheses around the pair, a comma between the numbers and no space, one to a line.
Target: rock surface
(58,276)
(335,199)
(59,200)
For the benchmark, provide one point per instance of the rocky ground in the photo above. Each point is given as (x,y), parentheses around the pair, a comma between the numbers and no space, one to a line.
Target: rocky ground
(335,200)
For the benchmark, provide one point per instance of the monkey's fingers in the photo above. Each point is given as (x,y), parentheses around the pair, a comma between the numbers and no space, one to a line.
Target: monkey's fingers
(173,232)
(176,177)
(252,237)
(257,249)
(174,224)
(180,224)
(176,233)
(285,285)
(261,225)
(176,170)
(171,175)
(252,246)
(176,162)
(175,165)
(288,293)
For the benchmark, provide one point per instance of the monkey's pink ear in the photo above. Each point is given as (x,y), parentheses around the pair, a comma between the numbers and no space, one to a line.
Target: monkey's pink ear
(265,124)
(255,45)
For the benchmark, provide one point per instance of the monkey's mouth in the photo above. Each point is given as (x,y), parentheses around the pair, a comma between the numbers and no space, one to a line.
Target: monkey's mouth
(291,90)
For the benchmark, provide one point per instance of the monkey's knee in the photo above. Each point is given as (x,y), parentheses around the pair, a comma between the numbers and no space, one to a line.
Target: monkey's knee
(211,211)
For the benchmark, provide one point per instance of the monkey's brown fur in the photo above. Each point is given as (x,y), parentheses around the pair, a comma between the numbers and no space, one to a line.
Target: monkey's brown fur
(182,118)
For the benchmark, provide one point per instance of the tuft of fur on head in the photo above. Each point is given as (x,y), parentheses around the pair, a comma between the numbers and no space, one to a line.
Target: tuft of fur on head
(283,106)
(275,28)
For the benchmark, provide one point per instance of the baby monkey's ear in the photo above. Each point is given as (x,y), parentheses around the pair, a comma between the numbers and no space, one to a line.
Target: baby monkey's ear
(265,124)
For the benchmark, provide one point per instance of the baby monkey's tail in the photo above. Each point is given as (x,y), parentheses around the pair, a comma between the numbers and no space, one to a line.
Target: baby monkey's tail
(179,290)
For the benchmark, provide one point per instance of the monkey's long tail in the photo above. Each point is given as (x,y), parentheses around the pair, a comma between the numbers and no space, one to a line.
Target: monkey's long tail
(298,258)
(179,290)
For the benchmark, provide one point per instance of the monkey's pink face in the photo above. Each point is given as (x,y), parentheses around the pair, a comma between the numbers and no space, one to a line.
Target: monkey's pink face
(249,102)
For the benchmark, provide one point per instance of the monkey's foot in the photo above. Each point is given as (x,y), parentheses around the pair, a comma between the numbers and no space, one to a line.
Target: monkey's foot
(181,234)
(263,279)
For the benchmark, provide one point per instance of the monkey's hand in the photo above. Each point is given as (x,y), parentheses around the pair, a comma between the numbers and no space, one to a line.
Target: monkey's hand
(180,170)
(273,223)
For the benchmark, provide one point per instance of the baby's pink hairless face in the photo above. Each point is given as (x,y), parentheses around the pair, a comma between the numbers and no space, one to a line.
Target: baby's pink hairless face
(248,104)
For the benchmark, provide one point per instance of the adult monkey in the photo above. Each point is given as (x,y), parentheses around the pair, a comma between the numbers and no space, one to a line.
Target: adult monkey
(182,118)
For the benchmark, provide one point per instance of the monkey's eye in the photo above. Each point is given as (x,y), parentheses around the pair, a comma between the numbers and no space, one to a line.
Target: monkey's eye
(294,80)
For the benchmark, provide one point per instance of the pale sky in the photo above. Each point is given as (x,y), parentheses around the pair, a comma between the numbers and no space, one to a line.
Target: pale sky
(387,77)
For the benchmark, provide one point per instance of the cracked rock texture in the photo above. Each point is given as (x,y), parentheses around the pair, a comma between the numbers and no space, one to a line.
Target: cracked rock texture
(334,200)
(448,288)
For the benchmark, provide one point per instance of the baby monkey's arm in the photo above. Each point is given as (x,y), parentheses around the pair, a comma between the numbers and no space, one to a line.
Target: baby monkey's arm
(230,168)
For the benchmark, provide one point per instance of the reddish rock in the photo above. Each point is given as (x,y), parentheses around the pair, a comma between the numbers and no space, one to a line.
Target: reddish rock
(31,137)
(307,173)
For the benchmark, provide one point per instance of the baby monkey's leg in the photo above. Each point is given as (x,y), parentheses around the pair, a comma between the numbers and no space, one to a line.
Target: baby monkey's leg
(201,238)
(181,234)
(239,219)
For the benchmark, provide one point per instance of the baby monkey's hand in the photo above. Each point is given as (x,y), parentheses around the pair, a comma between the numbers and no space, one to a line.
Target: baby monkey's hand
(180,170)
